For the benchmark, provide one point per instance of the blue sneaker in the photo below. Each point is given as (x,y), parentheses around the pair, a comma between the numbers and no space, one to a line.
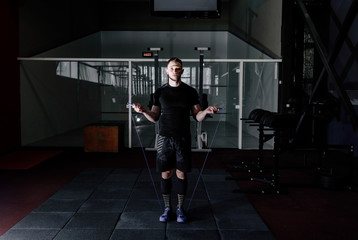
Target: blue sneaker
(165,216)
(181,218)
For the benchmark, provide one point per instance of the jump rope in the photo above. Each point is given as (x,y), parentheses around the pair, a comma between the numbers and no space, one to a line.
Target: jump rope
(150,173)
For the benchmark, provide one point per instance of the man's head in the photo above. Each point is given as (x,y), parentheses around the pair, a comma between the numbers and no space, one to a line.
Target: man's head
(174,69)
(175,59)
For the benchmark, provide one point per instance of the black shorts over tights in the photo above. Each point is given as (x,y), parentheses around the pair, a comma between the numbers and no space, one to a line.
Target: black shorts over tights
(174,152)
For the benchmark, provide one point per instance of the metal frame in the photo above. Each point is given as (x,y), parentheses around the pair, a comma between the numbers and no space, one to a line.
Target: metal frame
(328,60)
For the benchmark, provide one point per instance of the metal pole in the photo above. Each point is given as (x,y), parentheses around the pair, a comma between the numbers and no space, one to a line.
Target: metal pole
(155,51)
(201,77)
(241,96)
(201,80)
(156,69)
(156,85)
(130,100)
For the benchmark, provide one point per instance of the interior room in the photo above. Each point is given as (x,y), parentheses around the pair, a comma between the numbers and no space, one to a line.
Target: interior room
(273,157)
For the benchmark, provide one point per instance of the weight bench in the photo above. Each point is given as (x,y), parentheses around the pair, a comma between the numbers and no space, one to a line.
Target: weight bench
(277,124)
(265,134)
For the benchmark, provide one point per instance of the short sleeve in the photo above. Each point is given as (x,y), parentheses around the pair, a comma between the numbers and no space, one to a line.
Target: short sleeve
(156,101)
(194,97)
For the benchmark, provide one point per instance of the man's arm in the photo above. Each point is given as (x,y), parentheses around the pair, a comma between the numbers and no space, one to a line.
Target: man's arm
(199,114)
(152,115)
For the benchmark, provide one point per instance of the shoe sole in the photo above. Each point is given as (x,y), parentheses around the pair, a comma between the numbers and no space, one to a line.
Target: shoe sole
(182,221)
(163,220)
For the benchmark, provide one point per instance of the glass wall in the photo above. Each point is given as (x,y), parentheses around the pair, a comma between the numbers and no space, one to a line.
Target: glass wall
(237,86)
(259,90)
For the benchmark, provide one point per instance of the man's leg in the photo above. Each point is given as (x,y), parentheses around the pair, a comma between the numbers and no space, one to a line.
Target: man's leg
(166,187)
(181,188)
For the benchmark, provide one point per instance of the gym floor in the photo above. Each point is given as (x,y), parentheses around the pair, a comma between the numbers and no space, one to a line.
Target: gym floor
(105,202)
(81,195)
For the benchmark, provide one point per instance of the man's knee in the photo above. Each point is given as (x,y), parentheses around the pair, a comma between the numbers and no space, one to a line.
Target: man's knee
(180,174)
(167,174)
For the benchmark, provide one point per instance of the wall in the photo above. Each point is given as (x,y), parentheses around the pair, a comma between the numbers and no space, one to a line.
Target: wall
(259,23)
(86,47)
(130,44)
(9,80)
(134,15)
(45,25)
(237,48)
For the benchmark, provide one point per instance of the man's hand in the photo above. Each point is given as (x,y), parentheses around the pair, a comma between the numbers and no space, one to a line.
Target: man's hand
(211,110)
(200,115)
(138,108)
(152,115)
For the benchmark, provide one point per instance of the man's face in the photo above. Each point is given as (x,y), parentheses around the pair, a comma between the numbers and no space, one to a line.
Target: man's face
(174,70)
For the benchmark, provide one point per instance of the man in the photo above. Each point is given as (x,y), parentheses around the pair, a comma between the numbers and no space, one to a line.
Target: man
(172,105)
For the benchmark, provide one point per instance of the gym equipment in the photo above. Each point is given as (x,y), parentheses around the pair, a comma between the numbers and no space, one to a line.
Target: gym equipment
(277,124)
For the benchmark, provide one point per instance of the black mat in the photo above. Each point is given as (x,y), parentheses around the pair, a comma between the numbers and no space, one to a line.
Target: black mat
(125,204)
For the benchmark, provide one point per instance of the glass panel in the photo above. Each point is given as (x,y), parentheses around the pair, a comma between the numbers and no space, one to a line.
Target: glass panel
(143,85)
(260,91)
(113,82)
(74,70)
(221,87)
(63,69)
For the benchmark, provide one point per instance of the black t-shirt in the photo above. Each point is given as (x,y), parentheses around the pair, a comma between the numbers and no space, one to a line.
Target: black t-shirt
(175,104)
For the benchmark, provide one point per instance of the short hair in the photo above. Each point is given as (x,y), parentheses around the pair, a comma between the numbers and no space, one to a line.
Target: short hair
(175,59)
